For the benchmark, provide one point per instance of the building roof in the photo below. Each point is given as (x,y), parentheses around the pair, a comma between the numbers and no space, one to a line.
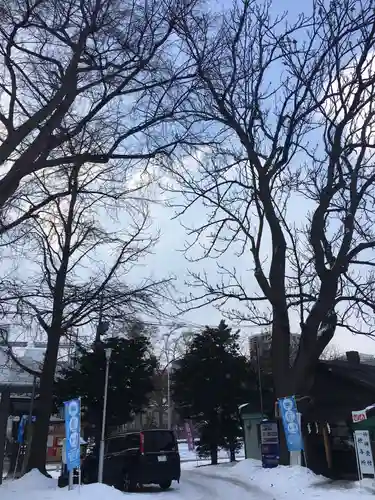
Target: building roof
(360,373)
(367,359)
(339,388)
(13,377)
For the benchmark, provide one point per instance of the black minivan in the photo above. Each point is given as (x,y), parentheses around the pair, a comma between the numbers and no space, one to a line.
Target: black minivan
(135,459)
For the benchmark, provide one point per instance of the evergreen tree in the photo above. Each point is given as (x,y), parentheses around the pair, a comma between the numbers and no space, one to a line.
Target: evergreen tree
(213,379)
(130,381)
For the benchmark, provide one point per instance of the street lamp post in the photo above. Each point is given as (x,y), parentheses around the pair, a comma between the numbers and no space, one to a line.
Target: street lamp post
(166,348)
(108,353)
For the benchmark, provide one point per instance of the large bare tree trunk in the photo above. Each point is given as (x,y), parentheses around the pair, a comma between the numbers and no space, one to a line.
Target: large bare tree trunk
(40,437)
(213,453)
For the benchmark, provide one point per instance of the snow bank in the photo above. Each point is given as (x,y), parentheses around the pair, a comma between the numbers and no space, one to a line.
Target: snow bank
(295,482)
(280,480)
(33,481)
(223,482)
(92,492)
(35,486)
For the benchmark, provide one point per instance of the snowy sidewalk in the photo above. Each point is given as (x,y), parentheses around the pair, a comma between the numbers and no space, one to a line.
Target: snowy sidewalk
(293,482)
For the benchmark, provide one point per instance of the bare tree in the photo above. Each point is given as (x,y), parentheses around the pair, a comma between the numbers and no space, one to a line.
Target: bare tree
(101,74)
(291,187)
(331,353)
(171,347)
(77,268)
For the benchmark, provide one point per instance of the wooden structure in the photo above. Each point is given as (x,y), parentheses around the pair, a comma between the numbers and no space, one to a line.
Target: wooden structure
(339,388)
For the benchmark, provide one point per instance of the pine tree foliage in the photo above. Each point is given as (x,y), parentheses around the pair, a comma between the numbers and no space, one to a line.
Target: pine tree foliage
(131,369)
(213,379)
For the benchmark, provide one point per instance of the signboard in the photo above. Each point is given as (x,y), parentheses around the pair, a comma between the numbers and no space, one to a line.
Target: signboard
(359,416)
(73,433)
(269,440)
(364,453)
(291,423)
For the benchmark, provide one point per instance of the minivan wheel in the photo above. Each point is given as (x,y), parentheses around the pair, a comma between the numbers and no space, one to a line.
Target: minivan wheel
(129,485)
(166,485)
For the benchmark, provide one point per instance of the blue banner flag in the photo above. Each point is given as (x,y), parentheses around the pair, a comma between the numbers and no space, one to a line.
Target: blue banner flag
(73,433)
(21,429)
(291,423)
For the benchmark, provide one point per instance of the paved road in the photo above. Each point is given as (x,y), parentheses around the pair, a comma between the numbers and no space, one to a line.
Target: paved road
(217,486)
(198,485)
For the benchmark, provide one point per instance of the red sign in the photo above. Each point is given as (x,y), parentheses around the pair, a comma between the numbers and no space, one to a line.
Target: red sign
(359,416)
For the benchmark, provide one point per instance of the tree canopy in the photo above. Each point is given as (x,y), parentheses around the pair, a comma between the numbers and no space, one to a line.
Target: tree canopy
(287,184)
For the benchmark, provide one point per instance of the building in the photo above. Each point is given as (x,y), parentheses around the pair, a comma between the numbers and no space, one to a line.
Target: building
(261,344)
(16,388)
(365,359)
(339,387)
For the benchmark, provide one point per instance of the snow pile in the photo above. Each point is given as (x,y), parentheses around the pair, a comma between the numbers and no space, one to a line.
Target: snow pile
(295,482)
(92,492)
(35,486)
(33,481)
(279,479)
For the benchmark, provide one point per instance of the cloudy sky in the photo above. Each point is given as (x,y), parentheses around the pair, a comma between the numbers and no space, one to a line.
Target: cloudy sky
(168,258)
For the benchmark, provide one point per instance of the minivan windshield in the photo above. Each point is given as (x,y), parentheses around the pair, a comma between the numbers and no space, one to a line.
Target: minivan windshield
(156,441)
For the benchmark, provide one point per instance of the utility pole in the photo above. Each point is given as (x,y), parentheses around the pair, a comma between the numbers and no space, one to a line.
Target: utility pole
(166,348)
(108,353)
(260,379)
(102,326)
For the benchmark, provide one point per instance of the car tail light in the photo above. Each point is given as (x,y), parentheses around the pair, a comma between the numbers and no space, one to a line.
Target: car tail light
(142,442)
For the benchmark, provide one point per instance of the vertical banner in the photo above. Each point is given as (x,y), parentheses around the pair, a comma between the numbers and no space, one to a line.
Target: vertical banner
(73,433)
(291,423)
(269,440)
(189,436)
(21,429)
(365,459)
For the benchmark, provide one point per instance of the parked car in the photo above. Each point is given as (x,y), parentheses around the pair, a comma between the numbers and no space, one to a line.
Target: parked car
(135,459)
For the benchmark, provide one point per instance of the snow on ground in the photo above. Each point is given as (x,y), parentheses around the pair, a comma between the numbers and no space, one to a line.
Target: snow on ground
(34,486)
(291,482)
(32,481)
(246,479)
(187,455)
(194,486)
